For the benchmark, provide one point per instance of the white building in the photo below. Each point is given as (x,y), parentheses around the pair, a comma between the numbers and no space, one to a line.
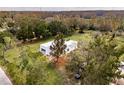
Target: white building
(70,46)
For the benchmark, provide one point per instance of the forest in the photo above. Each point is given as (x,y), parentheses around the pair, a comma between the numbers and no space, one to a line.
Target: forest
(96,61)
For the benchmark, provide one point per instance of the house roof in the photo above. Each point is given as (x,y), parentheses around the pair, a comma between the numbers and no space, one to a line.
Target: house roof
(48,44)
(122,63)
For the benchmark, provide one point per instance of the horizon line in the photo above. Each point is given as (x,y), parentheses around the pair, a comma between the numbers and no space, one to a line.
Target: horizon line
(61,9)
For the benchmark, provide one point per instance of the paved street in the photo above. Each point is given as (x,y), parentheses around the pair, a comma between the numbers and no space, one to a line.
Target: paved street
(4,80)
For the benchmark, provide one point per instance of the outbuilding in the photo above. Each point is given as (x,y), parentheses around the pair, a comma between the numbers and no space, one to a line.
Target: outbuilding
(70,46)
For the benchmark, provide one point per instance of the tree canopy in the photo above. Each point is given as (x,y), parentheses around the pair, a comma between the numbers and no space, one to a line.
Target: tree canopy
(95,63)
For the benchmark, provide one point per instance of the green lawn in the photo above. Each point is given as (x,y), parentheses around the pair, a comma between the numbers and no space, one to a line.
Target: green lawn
(14,53)
(11,54)
(52,77)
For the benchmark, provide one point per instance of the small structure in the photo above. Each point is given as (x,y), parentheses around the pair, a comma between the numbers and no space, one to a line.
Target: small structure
(70,46)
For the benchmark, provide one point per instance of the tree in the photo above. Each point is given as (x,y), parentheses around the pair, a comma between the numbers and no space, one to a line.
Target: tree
(121,26)
(25,29)
(32,68)
(58,47)
(1,21)
(75,22)
(6,42)
(42,73)
(95,63)
(58,27)
(82,26)
(121,58)
(11,24)
(105,27)
(41,29)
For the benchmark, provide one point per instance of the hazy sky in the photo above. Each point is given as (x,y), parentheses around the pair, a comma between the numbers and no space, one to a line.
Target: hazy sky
(58,8)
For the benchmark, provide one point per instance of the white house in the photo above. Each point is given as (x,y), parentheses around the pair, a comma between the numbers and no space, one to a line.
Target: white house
(45,48)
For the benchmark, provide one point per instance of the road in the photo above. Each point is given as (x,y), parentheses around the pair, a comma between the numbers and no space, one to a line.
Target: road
(4,80)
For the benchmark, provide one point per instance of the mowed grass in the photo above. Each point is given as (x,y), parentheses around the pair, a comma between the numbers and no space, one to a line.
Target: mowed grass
(11,54)
(53,77)
(86,37)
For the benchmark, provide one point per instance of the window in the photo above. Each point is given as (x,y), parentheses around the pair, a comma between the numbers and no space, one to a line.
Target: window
(68,49)
(122,66)
(43,50)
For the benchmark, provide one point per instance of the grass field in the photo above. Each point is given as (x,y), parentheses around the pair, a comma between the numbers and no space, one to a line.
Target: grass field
(86,37)
(14,53)
(52,76)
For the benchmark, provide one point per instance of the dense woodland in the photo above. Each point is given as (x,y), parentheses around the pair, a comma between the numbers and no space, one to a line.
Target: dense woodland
(96,61)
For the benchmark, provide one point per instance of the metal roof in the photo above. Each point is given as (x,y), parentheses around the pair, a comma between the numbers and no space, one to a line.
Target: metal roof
(48,44)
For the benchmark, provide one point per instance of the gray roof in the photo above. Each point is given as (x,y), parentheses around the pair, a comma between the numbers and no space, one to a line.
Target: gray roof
(4,80)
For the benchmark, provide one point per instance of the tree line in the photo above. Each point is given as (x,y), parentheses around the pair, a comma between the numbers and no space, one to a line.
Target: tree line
(94,63)
(27,28)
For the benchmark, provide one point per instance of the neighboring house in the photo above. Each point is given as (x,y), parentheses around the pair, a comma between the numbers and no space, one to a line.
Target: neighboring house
(4,80)
(70,46)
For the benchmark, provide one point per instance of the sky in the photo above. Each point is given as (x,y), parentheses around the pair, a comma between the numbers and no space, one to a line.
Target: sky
(58,8)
